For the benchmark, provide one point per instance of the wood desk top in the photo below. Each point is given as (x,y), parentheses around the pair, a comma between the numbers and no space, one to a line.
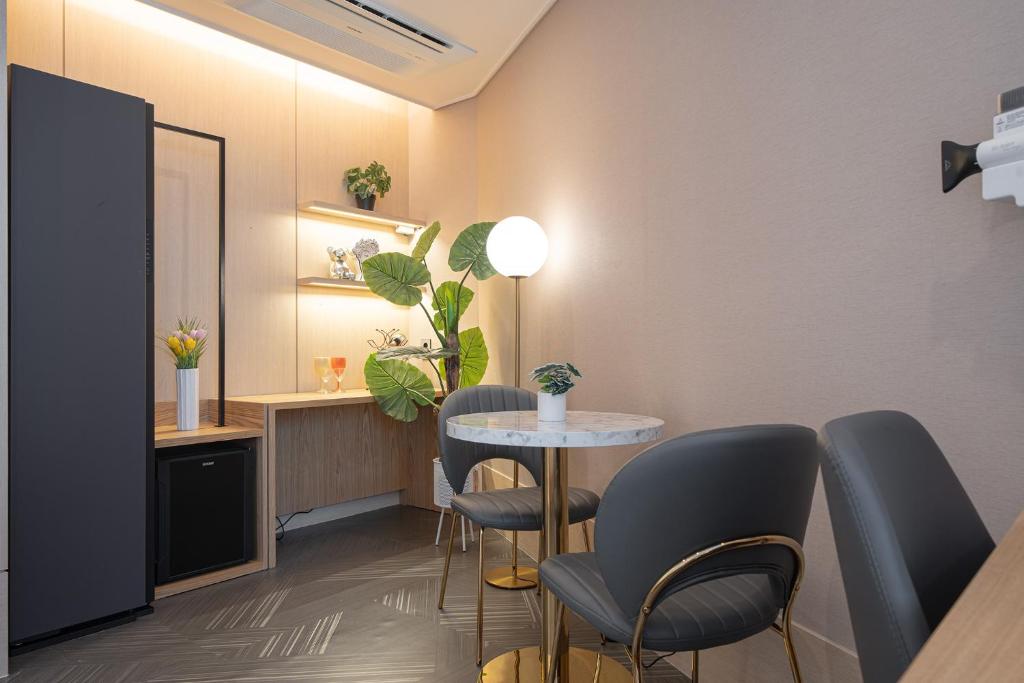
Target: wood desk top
(309,399)
(982,637)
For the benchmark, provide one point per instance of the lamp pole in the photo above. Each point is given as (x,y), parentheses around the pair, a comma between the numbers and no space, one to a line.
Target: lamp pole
(517,247)
(514,577)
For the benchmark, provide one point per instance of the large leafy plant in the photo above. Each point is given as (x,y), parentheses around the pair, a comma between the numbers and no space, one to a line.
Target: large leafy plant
(400,387)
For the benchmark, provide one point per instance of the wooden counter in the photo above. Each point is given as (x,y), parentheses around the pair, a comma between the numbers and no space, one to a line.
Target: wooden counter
(168,435)
(325,449)
(982,637)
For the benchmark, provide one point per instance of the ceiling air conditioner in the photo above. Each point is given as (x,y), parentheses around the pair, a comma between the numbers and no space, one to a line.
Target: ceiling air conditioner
(368,32)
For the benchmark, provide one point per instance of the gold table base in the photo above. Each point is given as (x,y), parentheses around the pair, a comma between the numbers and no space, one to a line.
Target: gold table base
(502,577)
(523,666)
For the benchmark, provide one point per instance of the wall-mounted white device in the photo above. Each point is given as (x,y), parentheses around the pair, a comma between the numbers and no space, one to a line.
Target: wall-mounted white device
(999,160)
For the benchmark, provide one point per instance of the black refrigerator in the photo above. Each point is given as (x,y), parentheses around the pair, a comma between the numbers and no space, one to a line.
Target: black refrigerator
(81,356)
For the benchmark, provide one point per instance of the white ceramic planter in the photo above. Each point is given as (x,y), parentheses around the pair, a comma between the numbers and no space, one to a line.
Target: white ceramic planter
(550,408)
(188,399)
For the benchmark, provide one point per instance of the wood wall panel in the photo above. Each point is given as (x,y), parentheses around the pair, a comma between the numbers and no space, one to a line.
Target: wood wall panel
(343,124)
(35,34)
(203,80)
(186,183)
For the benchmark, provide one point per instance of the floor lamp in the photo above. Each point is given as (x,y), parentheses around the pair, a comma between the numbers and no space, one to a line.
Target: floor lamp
(517,247)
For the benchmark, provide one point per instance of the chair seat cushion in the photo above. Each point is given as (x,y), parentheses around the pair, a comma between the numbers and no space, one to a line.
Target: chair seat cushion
(520,509)
(716,612)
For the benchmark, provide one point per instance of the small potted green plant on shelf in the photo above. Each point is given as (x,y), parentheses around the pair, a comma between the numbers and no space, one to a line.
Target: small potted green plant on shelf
(368,184)
(555,379)
(186,344)
(460,361)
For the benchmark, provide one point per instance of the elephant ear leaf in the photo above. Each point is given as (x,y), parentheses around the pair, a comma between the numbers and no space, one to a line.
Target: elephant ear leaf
(396,277)
(398,387)
(426,240)
(444,303)
(469,250)
(473,357)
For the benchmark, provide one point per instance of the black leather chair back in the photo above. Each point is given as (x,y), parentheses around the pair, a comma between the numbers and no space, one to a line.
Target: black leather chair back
(909,538)
(459,457)
(694,491)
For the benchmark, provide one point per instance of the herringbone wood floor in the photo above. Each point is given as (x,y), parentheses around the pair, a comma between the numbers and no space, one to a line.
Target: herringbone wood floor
(352,601)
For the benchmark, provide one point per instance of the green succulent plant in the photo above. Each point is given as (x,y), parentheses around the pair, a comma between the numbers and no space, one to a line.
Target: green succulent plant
(555,378)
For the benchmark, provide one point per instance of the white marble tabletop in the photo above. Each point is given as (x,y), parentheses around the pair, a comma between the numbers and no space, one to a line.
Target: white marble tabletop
(581,429)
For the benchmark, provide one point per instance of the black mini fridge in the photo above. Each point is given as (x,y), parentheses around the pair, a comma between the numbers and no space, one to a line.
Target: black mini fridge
(206,509)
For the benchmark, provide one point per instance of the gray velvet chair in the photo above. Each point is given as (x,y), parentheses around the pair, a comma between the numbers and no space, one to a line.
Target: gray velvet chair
(909,538)
(519,509)
(697,543)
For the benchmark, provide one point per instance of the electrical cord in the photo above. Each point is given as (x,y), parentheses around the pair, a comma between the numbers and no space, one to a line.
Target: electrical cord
(279,532)
(656,660)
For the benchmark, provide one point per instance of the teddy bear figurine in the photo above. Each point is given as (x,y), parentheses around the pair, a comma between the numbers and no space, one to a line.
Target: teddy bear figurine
(339,264)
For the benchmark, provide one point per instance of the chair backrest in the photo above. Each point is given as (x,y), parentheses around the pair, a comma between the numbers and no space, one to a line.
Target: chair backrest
(909,538)
(458,457)
(695,491)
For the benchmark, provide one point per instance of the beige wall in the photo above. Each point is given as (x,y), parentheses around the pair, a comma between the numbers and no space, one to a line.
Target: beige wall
(291,131)
(746,226)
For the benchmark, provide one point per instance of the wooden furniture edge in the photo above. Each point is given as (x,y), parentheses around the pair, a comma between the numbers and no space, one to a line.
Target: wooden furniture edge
(201,581)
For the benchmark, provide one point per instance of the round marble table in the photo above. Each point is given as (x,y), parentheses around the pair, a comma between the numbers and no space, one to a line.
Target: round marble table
(579,430)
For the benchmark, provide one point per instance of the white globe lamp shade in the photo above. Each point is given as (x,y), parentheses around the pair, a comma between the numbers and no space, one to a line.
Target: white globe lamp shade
(517,247)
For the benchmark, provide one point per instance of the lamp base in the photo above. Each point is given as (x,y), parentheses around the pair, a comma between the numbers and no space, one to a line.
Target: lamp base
(502,577)
(523,666)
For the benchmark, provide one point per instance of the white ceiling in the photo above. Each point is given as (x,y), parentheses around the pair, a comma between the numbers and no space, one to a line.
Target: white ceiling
(493,28)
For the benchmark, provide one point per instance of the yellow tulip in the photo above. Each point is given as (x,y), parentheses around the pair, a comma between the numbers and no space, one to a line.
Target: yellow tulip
(174,343)
(190,344)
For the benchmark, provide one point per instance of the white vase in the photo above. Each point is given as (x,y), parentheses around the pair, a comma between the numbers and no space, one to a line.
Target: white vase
(188,399)
(550,408)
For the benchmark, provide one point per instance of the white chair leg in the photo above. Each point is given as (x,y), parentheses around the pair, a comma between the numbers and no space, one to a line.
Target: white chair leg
(463,534)
(472,536)
(440,524)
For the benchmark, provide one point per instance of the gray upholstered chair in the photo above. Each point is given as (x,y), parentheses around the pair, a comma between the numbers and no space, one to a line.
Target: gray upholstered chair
(520,509)
(909,538)
(697,543)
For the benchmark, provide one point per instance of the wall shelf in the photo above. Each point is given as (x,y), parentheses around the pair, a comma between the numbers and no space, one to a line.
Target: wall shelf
(401,225)
(331,283)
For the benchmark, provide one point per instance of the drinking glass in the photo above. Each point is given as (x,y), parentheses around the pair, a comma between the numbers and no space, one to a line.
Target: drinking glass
(322,368)
(338,364)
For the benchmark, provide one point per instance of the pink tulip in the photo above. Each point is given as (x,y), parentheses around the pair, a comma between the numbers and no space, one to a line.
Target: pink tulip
(199,334)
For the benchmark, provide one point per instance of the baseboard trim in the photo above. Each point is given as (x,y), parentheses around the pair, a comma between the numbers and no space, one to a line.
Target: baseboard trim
(349,508)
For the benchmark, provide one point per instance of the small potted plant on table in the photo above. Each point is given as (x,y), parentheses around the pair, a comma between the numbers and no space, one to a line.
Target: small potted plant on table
(368,184)
(555,379)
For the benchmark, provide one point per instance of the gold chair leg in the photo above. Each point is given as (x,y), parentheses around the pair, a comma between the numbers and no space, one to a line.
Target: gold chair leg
(586,536)
(540,559)
(694,666)
(787,639)
(447,563)
(480,604)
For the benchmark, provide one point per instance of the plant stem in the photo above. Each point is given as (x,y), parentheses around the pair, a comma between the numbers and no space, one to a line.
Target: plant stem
(439,378)
(430,319)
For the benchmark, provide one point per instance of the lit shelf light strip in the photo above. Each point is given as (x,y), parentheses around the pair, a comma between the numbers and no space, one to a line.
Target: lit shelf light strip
(403,226)
(334,284)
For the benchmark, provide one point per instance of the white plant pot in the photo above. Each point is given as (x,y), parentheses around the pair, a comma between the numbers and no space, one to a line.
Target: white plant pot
(550,408)
(188,399)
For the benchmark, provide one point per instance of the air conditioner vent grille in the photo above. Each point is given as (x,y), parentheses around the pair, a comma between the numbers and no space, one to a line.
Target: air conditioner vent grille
(398,22)
(297,22)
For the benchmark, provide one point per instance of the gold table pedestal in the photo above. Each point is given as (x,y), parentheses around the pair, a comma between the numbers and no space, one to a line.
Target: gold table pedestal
(523,666)
(502,577)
